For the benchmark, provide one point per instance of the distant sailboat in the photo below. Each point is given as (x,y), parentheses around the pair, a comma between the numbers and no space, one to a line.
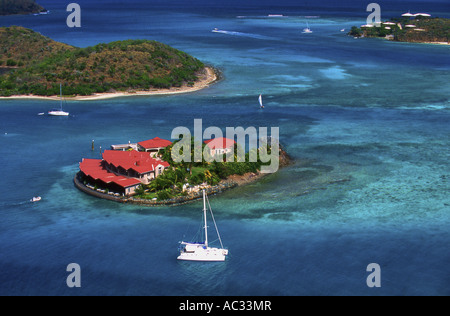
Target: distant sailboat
(59,112)
(200,251)
(261,105)
(307,29)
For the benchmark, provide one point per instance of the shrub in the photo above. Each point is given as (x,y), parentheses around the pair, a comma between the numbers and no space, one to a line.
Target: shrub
(163,195)
(11,63)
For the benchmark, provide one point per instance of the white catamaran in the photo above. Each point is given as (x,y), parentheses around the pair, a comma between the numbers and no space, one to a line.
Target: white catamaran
(59,112)
(200,251)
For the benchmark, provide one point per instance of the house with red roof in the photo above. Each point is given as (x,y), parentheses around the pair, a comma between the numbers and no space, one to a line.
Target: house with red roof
(134,164)
(153,145)
(95,174)
(220,145)
(122,171)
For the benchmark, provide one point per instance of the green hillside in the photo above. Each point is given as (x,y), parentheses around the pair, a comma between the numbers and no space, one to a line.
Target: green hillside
(38,68)
(21,47)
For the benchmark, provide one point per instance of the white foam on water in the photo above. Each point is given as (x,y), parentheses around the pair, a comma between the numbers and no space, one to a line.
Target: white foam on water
(242,34)
(335,73)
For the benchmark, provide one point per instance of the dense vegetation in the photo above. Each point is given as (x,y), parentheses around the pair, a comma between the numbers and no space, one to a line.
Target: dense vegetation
(425,30)
(21,47)
(170,183)
(122,65)
(8,7)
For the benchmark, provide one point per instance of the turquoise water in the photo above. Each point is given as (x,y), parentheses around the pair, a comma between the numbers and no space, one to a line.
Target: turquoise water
(366,120)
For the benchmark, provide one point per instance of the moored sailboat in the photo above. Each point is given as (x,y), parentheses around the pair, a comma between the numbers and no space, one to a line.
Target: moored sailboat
(59,112)
(201,251)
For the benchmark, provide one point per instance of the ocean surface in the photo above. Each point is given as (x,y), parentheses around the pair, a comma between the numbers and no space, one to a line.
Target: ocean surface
(368,122)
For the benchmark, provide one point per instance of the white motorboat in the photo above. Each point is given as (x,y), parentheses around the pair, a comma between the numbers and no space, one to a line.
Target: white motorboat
(59,112)
(36,199)
(200,251)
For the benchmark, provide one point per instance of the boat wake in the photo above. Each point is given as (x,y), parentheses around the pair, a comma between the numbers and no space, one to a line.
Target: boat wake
(241,34)
(14,204)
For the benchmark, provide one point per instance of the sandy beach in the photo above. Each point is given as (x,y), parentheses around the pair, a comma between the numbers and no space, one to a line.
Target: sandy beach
(437,43)
(206,79)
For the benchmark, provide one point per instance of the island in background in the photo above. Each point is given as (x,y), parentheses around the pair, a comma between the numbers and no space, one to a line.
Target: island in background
(412,28)
(32,65)
(12,7)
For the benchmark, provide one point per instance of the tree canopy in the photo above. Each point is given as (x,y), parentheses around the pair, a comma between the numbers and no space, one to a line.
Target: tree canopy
(39,64)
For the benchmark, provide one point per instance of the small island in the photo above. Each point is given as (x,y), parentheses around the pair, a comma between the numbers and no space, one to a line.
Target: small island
(12,7)
(411,28)
(145,173)
(33,65)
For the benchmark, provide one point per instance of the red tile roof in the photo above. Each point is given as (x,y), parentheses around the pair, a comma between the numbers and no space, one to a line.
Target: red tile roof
(141,162)
(95,169)
(155,143)
(220,143)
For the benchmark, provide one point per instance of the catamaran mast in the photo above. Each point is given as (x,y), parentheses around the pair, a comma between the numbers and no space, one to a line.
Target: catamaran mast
(204,215)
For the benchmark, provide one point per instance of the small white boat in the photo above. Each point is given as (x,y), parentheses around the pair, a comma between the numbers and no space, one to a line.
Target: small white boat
(343,30)
(36,199)
(59,112)
(200,251)
(307,30)
(42,113)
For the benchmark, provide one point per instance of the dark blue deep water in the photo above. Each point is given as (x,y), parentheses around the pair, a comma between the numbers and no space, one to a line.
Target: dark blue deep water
(367,121)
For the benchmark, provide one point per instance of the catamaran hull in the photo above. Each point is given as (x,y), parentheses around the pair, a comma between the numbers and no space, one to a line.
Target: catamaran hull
(206,258)
(58,113)
(198,252)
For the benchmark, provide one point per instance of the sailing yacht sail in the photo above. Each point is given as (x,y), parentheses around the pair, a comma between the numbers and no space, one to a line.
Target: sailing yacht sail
(201,251)
(59,112)
(260,102)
